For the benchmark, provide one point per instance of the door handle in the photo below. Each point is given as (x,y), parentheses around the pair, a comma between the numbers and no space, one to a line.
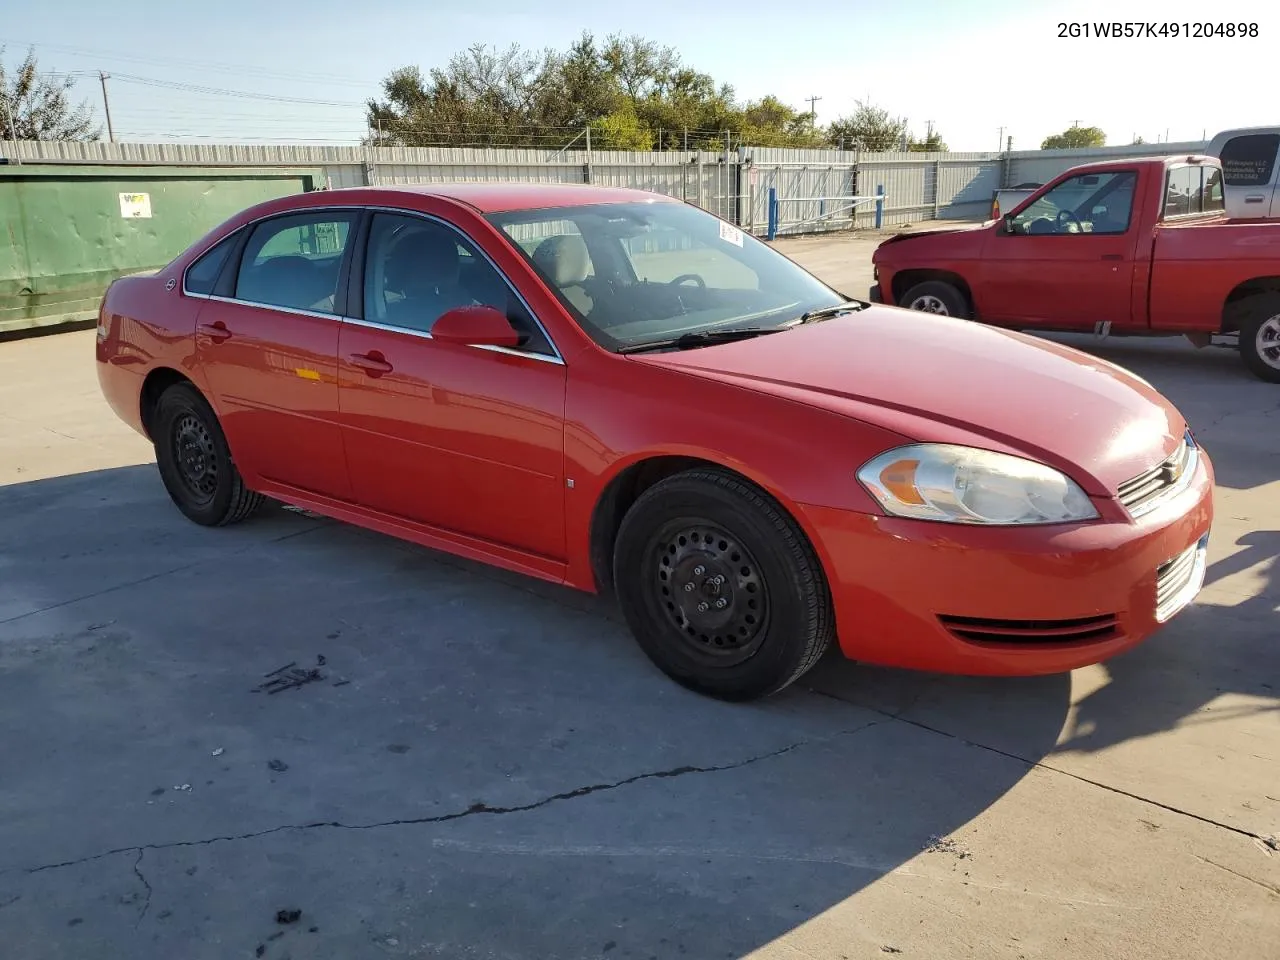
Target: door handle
(1112,256)
(216,331)
(372,363)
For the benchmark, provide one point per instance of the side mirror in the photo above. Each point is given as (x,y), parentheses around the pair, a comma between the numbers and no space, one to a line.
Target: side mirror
(477,326)
(1008,223)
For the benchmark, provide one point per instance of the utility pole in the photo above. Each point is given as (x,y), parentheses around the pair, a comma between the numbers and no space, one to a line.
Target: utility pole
(813,113)
(1000,141)
(106,105)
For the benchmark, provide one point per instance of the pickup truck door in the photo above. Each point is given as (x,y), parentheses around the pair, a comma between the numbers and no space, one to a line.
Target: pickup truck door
(1069,261)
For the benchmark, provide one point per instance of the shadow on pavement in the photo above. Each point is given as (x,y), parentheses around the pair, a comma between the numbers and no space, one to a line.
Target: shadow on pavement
(481,765)
(487,767)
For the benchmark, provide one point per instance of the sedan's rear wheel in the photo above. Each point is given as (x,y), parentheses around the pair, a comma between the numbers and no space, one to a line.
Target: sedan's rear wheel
(195,462)
(720,587)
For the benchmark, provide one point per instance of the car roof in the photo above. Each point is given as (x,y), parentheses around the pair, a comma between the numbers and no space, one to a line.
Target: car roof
(504,197)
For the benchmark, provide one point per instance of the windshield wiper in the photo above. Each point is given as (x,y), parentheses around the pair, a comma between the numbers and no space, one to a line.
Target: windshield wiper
(702,338)
(825,313)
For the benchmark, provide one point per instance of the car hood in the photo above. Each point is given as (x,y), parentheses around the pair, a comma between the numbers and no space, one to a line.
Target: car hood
(938,379)
(935,232)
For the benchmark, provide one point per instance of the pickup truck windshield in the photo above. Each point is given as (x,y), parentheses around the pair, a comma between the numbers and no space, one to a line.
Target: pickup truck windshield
(640,273)
(1088,203)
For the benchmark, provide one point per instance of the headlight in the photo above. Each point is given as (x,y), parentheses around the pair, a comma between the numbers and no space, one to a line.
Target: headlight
(957,484)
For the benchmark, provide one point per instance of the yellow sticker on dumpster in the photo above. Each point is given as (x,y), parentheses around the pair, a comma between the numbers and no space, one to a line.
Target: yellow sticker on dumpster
(135,206)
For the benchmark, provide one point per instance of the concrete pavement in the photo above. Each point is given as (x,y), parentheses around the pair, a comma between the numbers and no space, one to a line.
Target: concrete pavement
(490,768)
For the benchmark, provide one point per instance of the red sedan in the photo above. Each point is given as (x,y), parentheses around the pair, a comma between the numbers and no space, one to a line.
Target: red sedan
(620,392)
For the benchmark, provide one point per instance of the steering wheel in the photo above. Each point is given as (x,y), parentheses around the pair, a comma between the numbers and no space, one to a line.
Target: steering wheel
(688,276)
(1068,219)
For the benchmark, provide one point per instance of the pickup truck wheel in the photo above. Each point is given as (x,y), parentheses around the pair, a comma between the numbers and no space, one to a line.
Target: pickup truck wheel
(720,587)
(936,296)
(1260,337)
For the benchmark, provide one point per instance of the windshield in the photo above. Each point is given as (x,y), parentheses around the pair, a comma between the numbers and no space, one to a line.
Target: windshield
(634,273)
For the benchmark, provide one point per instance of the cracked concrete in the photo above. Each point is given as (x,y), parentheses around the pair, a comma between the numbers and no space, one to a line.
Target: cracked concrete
(502,774)
(480,808)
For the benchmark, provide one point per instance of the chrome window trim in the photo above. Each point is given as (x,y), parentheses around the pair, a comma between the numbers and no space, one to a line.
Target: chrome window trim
(374,325)
(556,357)
(425,335)
(317,314)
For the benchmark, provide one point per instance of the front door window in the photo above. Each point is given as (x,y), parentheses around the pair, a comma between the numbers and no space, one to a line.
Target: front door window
(1098,203)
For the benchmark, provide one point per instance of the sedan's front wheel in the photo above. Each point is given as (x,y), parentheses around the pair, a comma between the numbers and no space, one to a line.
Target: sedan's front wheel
(195,461)
(720,587)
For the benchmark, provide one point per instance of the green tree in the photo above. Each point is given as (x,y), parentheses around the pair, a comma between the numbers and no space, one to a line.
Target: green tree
(621,130)
(634,93)
(869,128)
(933,143)
(1074,137)
(36,106)
(769,122)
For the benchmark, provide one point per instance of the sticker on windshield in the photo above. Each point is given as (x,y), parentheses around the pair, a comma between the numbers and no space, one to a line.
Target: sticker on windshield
(730,233)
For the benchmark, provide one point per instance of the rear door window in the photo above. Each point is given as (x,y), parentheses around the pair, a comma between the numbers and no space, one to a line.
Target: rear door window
(295,261)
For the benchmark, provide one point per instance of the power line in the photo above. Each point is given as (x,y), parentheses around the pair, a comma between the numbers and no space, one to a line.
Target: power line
(213,66)
(223,92)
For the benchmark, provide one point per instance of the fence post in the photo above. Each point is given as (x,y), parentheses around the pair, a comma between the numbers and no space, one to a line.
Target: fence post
(773,213)
(879,205)
(937,187)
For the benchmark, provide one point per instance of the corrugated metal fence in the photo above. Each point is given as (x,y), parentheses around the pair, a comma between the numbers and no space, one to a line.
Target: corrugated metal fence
(816,188)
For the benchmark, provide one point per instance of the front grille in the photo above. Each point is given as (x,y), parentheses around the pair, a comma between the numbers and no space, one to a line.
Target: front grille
(1079,630)
(1177,580)
(1147,490)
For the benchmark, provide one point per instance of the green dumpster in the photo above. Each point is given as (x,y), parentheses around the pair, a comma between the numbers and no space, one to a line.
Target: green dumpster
(67,231)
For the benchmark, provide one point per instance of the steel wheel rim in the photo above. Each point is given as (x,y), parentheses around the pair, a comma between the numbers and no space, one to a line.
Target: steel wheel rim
(709,588)
(929,304)
(1267,341)
(195,457)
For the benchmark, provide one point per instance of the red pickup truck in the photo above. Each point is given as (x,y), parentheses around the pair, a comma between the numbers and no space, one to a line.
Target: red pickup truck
(1124,247)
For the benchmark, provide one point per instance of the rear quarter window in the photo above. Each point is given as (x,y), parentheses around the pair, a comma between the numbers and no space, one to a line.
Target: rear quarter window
(202,276)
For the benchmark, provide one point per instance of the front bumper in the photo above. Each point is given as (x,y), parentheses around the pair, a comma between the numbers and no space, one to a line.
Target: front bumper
(1008,601)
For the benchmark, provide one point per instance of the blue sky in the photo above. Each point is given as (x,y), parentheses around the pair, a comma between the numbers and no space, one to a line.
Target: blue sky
(972,68)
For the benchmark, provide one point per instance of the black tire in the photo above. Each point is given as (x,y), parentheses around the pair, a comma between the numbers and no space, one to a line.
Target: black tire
(1259,330)
(195,462)
(776,621)
(947,297)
